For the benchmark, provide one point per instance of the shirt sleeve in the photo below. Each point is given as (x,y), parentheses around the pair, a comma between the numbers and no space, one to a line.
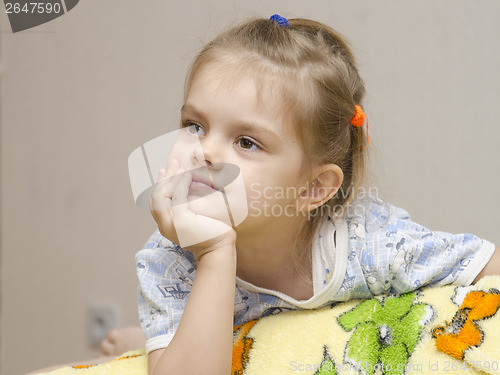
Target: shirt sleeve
(166,273)
(407,255)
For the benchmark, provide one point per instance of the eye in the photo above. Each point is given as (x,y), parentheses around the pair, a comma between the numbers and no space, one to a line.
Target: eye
(193,128)
(248,144)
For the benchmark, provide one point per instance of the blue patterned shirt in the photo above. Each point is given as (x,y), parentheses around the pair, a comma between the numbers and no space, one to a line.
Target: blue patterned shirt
(374,249)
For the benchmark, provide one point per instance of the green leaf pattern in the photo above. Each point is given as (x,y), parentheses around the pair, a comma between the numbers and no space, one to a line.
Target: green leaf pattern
(385,334)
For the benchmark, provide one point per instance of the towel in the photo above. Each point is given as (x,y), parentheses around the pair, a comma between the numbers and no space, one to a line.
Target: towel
(436,330)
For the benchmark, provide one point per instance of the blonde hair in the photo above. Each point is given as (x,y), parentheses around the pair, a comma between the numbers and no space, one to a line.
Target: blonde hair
(314,71)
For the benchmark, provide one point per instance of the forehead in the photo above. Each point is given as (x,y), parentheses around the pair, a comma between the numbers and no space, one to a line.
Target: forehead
(233,92)
(233,88)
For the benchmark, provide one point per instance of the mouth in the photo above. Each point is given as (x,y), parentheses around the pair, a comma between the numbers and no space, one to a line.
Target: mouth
(205,180)
(202,183)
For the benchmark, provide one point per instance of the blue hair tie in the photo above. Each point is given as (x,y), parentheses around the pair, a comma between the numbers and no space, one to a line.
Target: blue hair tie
(282,21)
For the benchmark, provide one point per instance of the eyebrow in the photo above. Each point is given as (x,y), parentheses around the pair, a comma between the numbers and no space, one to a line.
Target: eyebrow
(241,125)
(193,110)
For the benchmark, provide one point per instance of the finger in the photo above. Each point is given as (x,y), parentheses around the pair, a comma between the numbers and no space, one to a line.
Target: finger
(164,188)
(106,347)
(161,212)
(163,185)
(166,225)
(153,212)
(113,335)
(158,200)
(162,215)
(172,167)
(180,194)
(167,184)
(161,174)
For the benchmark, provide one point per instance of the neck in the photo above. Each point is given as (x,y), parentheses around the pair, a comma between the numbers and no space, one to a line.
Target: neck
(269,260)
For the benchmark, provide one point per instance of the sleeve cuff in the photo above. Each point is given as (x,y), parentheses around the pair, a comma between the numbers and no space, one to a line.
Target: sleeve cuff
(158,342)
(477,264)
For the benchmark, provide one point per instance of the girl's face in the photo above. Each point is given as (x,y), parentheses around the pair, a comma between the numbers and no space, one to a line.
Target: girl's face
(237,124)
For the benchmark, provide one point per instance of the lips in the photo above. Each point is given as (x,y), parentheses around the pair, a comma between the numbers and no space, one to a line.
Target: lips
(202,182)
(214,177)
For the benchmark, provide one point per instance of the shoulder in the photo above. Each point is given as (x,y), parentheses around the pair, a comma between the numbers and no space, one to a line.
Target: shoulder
(373,213)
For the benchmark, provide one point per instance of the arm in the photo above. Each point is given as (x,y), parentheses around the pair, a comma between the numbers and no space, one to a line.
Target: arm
(492,267)
(203,342)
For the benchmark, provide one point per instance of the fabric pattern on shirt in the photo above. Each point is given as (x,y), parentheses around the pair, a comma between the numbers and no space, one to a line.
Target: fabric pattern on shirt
(385,252)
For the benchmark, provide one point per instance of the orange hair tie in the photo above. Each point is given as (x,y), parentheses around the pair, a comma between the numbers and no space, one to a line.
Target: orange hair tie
(359,119)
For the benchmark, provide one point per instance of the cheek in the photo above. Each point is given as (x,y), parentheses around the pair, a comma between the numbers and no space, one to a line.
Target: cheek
(270,195)
(271,186)
(183,148)
(181,156)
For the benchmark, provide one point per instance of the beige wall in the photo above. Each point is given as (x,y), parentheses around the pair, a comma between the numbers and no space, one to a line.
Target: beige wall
(81,92)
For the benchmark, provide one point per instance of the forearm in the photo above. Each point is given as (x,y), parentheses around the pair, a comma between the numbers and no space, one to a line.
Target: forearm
(493,266)
(204,338)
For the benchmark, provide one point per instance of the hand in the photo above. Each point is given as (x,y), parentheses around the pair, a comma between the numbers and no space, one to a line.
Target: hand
(170,208)
(119,341)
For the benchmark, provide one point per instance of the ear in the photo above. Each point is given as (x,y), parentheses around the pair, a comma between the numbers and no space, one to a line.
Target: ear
(326,181)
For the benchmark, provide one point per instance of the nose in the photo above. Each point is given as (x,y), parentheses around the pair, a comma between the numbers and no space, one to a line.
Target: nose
(207,152)
(198,156)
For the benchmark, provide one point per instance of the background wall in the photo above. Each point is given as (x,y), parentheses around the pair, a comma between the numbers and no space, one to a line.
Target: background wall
(81,92)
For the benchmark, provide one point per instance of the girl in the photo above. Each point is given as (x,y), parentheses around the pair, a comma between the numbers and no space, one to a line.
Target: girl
(281,100)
